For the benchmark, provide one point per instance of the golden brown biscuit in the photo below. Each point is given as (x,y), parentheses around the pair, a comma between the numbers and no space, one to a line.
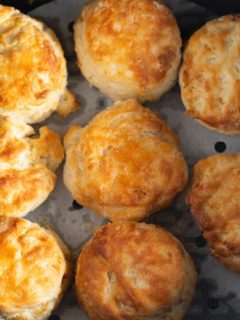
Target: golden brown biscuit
(214,198)
(132,270)
(32,68)
(35,270)
(26,166)
(209,76)
(125,164)
(128,48)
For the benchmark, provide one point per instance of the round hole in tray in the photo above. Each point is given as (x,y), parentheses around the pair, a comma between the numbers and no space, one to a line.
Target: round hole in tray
(70,26)
(213,303)
(200,241)
(101,102)
(54,317)
(76,205)
(220,146)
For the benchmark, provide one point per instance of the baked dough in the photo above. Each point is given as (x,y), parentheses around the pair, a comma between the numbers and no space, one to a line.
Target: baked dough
(27,165)
(128,48)
(209,76)
(125,164)
(134,271)
(33,74)
(35,270)
(214,198)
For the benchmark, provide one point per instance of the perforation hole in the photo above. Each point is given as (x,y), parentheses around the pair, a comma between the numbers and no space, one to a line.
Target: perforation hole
(102,102)
(200,241)
(70,26)
(220,146)
(54,317)
(213,303)
(76,205)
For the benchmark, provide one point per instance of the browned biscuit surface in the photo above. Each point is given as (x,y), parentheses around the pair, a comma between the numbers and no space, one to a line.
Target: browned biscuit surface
(125,164)
(32,67)
(131,270)
(128,48)
(34,268)
(210,74)
(214,201)
(27,165)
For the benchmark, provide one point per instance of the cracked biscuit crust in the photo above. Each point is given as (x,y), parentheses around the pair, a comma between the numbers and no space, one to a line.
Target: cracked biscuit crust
(210,73)
(34,270)
(32,67)
(27,165)
(131,270)
(128,48)
(214,202)
(125,164)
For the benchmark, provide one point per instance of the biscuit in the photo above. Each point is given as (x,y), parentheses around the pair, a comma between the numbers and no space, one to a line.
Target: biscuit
(32,68)
(210,73)
(214,202)
(35,270)
(125,164)
(128,48)
(131,270)
(27,165)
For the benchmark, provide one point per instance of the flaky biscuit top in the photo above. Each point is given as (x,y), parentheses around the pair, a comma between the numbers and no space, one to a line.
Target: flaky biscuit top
(111,17)
(210,74)
(27,165)
(128,48)
(32,67)
(125,157)
(32,265)
(132,270)
(214,202)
